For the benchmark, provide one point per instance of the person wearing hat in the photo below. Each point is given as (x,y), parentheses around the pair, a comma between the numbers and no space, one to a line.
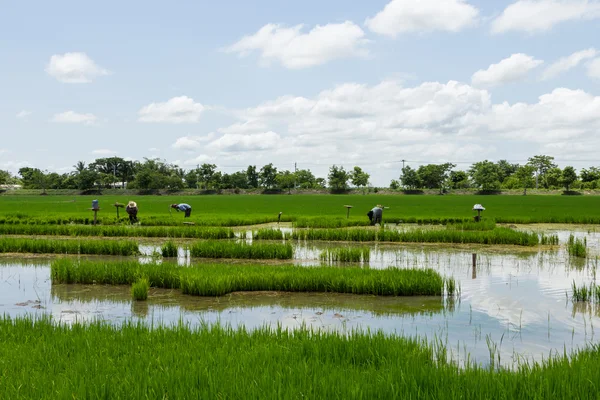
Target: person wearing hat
(132,210)
(183,207)
(376,214)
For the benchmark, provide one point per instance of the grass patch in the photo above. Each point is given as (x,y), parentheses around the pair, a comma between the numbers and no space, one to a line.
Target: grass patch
(169,249)
(228,249)
(132,361)
(268,234)
(57,246)
(139,289)
(220,279)
(346,254)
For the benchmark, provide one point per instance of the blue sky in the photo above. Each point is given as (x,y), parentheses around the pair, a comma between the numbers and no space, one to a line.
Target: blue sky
(359,83)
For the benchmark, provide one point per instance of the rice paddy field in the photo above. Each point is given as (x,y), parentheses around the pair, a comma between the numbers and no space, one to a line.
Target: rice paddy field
(242,304)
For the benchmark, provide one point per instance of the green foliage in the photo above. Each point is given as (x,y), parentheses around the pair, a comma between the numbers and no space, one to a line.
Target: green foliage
(542,164)
(568,177)
(433,176)
(139,289)
(55,246)
(483,225)
(215,249)
(268,176)
(169,249)
(305,222)
(359,177)
(410,178)
(286,180)
(486,175)
(338,178)
(268,234)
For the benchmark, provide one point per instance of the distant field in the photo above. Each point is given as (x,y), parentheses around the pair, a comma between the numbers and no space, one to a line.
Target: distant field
(503,208)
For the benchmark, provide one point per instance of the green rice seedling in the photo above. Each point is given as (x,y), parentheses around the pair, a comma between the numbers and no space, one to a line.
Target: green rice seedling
(227,249)
(583,293)
(56,246)
(119,231)
(139,289)
(268,234)
(577,247)
(483,225)
(451,287)
(132,360)
(169,249)
(328,222)
(346,254)
(549,239)
(220,279)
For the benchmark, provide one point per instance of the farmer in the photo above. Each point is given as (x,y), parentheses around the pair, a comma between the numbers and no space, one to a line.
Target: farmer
(376,214)
(183,207)
(132,210)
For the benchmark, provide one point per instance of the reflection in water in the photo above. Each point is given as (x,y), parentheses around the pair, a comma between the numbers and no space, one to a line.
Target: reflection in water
(516,299)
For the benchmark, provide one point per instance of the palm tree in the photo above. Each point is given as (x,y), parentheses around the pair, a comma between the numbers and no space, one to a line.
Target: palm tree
(79,167)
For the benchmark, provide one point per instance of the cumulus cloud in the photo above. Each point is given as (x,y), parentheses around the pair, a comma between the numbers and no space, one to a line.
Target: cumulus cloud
(593,68)
(534,16)
(244,127)
(242,142)
(192,143)
(401,16)
(295,49)
(74,68)
(23,114)
(71,117)
(567,63)
(511,69)
(181,109)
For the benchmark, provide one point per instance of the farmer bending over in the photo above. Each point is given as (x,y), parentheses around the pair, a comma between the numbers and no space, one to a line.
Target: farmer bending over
(376,214)
(132,210)
(183,207)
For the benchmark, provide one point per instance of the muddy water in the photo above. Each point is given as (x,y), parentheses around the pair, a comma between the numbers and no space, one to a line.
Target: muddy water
(514,300)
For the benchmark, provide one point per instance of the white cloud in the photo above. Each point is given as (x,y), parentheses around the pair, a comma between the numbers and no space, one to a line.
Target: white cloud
(566,63)
(401,16)
(23,114)
(241,142)
(74,68)
(176,110)
(104,152)
(534,16)
(192,143)
(511,69)
(295,49)
(74,118)
(200,159)
(153,150)
(245,127)
(593,68)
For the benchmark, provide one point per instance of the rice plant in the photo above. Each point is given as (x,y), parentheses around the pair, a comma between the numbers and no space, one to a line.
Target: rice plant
(577,247)
(268,234)
(139,289)
(103,360)
(220,279)
(451,287)
(584,293)
(169,249)
(62,246)
(549,239)
(228,249)
(346,254)
(483,225)
(328,222)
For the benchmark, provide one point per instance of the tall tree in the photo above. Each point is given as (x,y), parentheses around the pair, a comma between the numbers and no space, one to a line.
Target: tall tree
(524,174)
(505,169)
(542,165)
(267,176)
(338,178)
(206,174)
(359,178)
(286,180)
(433,176)
(485,175)
(410,178)
(568,177)
(305,179)
(252,176)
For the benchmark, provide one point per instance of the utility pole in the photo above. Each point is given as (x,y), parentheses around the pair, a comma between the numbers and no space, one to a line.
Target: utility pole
(197,176)
(536,180)
(295,177)
(403,164)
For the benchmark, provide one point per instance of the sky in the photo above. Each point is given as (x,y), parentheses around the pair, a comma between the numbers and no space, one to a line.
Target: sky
(300,84)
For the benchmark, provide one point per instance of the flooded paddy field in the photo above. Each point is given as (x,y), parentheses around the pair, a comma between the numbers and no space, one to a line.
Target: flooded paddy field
(514,303)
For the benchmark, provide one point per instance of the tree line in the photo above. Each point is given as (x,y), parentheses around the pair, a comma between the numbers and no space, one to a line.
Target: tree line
(153,174)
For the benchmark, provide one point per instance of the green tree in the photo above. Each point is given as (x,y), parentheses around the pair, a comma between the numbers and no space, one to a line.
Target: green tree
(252,176)
(191,179)
(395,184)
(286,180)
(568,177)
(267,176)
(359,178)
(553,178)
(410,178)
(338,178)
(206,174)
(459,180)
(542,165)
(590,175)
(320,183)
(524,175)
(505,169)
(485,175)
(5,177)
(433,176)
(305,179)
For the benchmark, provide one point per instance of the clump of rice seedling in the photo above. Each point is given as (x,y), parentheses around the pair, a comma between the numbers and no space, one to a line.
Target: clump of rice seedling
(169,249)
(346,254)
(324,222)
(139,289)
(577,247)
(451,287)
(54,246)
(268,234)
(483,225)
(225,249)
(549,239)
(584,293)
